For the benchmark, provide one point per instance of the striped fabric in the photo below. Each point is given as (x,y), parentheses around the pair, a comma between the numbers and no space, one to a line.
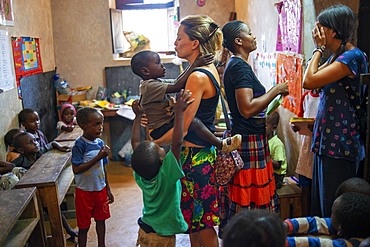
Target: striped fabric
(321,242)
(254,185)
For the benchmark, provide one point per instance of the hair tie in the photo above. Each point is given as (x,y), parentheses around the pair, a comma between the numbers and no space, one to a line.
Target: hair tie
(215,27)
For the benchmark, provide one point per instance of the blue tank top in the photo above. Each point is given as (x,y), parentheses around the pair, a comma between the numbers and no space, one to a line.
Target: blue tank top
(206,112)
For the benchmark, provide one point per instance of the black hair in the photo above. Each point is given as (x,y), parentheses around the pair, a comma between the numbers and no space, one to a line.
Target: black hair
(254,228)
(352,212)
(341,19)
(145,160)
(230,31)
(9,137)
(140,60)
(22,116)
(274,118)
(82,115)
(354,184)
(18,139)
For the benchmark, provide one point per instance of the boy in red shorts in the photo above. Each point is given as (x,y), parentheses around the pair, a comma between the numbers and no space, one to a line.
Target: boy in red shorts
(89,158)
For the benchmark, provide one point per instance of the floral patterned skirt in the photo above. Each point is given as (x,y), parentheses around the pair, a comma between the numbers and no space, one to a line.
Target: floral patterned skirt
(199,193)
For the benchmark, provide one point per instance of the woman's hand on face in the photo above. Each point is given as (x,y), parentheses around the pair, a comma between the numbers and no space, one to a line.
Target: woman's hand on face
(318,35)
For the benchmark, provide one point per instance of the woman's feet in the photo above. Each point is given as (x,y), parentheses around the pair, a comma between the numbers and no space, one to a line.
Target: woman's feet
(231,143)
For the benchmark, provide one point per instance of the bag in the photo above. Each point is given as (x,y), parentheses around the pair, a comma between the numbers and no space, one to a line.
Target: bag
(226,165)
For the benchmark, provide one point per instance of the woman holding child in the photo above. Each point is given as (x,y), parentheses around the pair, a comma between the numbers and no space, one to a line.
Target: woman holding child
(253,187)
(198,35)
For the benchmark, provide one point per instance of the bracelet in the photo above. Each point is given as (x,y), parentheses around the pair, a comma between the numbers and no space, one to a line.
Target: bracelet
(321,47)
(317,49)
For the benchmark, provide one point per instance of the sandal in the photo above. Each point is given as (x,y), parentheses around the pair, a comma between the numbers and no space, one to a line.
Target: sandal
(231,143)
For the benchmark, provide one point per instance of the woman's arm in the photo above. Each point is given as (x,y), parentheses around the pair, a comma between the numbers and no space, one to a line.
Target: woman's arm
(249,106)
(197,84)
(316,77)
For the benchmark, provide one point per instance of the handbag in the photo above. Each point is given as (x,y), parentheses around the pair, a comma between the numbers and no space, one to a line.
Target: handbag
(227,164)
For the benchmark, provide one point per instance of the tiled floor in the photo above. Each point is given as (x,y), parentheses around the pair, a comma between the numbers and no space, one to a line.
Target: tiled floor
(121,228)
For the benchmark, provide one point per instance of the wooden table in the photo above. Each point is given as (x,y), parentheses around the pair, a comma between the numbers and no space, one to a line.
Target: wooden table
(52,175)
(20,218)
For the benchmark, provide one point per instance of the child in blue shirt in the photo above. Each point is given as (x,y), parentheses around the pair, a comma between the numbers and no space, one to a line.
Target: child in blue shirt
(89,160)
(158,175)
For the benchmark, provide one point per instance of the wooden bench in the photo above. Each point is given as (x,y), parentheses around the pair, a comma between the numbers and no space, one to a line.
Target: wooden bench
(20,218)
(290,201)
(52,175)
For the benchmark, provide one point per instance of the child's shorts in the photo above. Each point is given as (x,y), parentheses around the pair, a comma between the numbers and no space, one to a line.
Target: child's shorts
(91,204)
(154,240)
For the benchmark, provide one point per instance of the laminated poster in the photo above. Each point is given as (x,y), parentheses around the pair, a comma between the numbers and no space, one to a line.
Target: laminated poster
(27,58)
(6,68)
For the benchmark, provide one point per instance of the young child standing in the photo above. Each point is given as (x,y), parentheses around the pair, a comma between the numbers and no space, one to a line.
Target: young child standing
(277,149)
(309,105)
(67,118)
(158,175)
(11,154)
(89,160)
(156,102)
(29,119)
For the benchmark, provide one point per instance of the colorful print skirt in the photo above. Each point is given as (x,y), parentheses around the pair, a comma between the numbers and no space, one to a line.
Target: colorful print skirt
(199,203)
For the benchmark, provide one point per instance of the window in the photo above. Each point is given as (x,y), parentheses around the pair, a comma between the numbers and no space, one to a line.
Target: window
(155,19)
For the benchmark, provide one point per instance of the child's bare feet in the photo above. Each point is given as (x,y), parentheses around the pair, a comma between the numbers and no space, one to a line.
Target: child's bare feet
(231,143)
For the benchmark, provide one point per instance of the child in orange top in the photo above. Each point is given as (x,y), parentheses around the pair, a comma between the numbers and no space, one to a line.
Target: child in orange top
(12,154)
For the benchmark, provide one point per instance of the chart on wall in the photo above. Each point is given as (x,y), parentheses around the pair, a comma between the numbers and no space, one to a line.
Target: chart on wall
(289,70)
(27,58)
(289,26)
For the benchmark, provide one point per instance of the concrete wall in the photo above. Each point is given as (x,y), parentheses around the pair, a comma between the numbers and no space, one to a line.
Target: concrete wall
(82,36)
(31,18)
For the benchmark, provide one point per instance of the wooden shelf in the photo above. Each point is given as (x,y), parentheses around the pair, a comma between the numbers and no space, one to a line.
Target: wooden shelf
(20,233)
(20,218)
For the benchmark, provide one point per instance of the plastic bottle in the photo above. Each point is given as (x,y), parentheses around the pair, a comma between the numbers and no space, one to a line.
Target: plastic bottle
(61,85)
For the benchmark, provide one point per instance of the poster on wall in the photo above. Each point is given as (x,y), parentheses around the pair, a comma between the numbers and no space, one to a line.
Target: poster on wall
(289,69)
(6,13)
(289,26)
(27,58)
(6,68)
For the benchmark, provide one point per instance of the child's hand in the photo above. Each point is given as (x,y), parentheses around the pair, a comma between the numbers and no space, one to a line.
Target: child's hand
(104,151)
(144,120)
(138,110)
(204,60)
(182,101)
(64,148)
(69,128)
(110,197)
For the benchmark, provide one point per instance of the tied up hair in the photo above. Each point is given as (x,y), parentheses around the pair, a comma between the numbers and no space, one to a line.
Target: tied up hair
(205,30)
(230,31)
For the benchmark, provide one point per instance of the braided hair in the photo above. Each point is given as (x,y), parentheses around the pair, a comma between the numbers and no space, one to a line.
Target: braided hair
(230,31)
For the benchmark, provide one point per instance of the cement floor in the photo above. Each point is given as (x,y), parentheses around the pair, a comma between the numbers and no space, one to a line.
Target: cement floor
(121,228)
